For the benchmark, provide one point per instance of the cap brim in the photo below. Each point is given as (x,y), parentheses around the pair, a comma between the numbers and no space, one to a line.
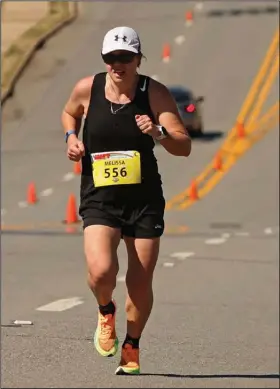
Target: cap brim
(119,46)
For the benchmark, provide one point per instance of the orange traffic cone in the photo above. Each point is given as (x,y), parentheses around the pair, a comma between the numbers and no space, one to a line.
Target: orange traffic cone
(218,162)
(31,194)
(71,210)
(77,167)
(166,52)
(189,18)
(240,129)
(193,194)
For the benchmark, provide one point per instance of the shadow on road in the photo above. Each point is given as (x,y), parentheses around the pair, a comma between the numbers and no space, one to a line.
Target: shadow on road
(207,136)
(200,376)
(252,11)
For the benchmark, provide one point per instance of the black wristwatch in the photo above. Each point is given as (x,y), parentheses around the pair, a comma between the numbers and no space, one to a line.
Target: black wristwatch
(163,133)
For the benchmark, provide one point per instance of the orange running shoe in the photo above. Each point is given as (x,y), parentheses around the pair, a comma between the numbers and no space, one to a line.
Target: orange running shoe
(129,363)
(105,338)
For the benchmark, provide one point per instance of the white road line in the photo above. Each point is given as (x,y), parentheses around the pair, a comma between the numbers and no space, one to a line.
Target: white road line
(68,177)
(155,77)
(22,322)
(215,241)
(182,255)
(168,264)
(47,192)
(180,39)
(199,6)
(225,235)
(61,305)
(242,233)
(22,204)
(121,279)
(268,231)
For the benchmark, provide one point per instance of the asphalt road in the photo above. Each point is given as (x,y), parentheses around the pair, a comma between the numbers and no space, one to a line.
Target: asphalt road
(216,317)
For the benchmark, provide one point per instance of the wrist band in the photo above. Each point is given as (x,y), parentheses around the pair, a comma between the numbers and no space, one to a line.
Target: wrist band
(68,133)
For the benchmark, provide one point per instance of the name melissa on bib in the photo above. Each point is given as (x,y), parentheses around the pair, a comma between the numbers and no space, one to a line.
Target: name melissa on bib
(112,163)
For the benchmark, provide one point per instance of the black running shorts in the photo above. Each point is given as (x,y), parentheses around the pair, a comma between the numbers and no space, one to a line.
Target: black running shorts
(145,221)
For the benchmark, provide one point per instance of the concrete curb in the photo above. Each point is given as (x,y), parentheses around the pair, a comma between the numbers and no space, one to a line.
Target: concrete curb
(19,54)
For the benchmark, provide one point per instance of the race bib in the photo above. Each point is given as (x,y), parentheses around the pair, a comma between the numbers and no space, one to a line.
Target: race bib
(116,168)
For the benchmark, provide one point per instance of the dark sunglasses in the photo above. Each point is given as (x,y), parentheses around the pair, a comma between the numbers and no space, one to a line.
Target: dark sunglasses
(124,58)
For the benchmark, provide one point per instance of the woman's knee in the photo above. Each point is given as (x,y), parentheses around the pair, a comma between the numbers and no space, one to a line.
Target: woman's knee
(143,256)
(102,274)
(101,257)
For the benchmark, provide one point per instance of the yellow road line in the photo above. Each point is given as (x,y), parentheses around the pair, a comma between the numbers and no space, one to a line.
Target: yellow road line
(265,124)
(248,102)
(264,93)
(271,115)
(269,126)
(227,144)
(260,77)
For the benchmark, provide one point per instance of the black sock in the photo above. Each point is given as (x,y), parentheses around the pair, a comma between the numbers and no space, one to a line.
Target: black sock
(134,342)
(108,309)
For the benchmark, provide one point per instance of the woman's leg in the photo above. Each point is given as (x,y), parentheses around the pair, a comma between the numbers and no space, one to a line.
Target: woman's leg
(142,259)
(100,246)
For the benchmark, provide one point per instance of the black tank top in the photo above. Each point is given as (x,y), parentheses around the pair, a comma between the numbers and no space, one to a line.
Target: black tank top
(105,131)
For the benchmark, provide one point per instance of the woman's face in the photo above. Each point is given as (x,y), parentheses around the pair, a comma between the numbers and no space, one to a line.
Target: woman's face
(121,65)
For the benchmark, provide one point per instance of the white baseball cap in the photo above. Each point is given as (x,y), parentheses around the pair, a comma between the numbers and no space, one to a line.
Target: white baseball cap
(121,38)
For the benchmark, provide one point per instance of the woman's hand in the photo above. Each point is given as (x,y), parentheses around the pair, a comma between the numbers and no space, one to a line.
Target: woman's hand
(147,126)
(75,149)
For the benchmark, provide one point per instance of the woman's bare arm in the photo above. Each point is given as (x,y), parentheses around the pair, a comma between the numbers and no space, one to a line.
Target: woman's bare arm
(74,109)
(165,110)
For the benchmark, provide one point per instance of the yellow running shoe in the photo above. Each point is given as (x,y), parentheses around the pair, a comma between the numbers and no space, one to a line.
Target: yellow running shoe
(129,363)
(105,338)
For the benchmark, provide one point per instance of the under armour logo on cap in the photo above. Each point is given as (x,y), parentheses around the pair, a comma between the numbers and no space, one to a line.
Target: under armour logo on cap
(117,37)
(121,38)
